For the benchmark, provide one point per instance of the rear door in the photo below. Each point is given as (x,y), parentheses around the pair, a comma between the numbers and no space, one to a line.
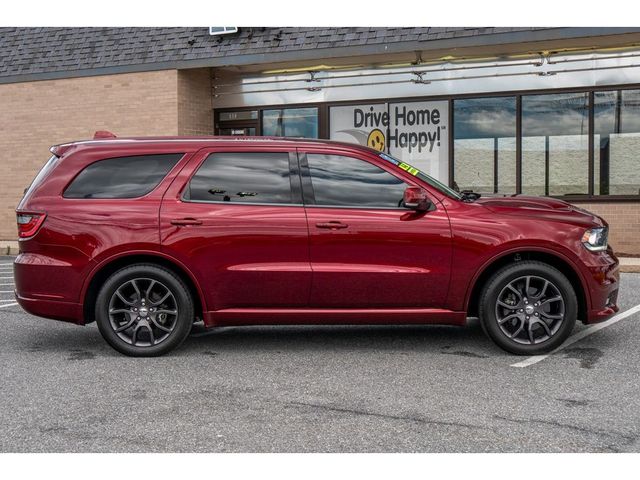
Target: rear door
(367,250)
(235,217)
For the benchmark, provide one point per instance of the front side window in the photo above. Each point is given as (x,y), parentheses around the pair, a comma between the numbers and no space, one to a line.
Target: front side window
(122,177)
(240,177)
(344,181)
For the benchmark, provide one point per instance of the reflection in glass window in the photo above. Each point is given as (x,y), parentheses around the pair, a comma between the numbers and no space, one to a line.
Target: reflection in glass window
(555,144)
(242,178)
(617,142)
(484,144)
(290,122)
(345,181)
(122,177)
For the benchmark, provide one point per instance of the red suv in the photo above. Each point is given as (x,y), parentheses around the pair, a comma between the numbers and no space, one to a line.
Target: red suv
(145,236)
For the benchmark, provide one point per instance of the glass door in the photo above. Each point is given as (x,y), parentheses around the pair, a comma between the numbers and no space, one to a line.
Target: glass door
(237,130)
(240,123)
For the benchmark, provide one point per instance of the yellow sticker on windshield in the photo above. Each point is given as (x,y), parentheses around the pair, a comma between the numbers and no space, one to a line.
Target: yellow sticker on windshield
(408,168)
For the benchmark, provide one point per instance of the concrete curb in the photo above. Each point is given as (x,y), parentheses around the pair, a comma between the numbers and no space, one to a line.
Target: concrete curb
(629,264)
(630,268)
(8,248)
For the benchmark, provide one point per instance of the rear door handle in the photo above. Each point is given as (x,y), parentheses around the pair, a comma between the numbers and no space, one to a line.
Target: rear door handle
(333,225)
(186,221)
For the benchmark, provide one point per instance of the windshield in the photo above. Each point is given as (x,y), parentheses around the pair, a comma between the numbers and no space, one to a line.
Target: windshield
(449,192)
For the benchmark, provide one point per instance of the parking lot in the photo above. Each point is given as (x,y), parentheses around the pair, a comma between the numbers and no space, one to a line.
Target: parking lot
(316,389)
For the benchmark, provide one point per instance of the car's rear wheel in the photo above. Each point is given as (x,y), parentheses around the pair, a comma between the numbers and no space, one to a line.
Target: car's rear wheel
(144,310)
(528,308)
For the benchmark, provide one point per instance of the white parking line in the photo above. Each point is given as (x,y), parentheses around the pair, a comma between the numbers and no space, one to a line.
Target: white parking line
(8,300)
(4,278)
(6,291)
(8,305)
(6,284)
(578,336)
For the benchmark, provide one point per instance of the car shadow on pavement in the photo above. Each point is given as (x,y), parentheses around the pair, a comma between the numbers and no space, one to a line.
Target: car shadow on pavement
(464,341)
(85,343)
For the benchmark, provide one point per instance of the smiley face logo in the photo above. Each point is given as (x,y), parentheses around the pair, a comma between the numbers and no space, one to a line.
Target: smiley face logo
(376,140)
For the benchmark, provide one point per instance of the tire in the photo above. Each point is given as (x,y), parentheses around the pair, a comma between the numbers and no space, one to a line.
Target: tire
(528,321)
(144,310)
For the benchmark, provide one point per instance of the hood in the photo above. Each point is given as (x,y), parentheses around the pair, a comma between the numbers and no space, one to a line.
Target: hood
(520,201)
(545,207)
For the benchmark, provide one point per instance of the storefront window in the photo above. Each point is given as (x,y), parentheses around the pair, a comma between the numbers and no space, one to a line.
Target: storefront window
(617,142)
(555,144)
(485,144)
(290,122)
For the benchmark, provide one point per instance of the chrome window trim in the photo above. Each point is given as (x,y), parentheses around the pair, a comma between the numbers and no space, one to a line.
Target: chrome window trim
(182,199)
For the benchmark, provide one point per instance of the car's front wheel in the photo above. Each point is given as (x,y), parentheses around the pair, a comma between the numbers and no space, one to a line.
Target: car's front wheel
(528,308)
(144,310)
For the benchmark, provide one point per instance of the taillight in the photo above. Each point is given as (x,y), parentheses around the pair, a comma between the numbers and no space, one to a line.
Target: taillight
(29,223)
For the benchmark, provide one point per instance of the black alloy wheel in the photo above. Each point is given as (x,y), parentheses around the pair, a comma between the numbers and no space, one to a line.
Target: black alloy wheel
(528,308)
(144,310)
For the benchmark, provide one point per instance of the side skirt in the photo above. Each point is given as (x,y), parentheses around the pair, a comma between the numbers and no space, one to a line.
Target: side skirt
(324,316)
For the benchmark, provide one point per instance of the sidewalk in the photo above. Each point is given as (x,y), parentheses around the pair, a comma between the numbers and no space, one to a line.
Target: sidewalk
(630,264)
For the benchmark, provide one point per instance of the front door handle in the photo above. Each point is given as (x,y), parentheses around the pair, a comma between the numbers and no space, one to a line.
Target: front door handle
(333,225)
(186,221)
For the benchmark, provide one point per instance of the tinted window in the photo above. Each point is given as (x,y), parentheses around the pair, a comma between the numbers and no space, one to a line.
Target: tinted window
(123,177)
(347,181)
(242,178)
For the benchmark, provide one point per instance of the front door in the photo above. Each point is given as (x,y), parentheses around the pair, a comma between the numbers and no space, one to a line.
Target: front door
(236,218)
(366,249)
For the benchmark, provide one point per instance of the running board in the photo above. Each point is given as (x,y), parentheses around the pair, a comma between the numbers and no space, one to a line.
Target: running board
(330,316)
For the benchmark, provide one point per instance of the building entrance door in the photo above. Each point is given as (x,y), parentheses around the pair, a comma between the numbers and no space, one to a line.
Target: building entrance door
(240,131)
(240,123)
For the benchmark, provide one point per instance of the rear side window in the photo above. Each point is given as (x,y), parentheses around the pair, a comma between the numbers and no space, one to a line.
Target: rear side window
(236,177)
(122,177)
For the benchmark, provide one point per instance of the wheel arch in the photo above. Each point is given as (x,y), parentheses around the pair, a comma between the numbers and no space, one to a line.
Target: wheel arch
(111,265)
(552,259)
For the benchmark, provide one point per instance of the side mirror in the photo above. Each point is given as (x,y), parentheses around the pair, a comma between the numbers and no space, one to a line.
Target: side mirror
(416,198)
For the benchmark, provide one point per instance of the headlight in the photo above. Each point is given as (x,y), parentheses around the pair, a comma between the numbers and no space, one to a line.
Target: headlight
(595,239)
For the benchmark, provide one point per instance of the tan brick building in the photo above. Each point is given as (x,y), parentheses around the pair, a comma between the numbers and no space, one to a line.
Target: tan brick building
(542,111)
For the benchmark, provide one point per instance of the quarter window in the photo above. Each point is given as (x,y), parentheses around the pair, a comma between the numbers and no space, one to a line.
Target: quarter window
(242,178)
(346,181)
(122,177)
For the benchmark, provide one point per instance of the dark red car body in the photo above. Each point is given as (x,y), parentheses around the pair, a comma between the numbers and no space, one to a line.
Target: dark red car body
(258,264)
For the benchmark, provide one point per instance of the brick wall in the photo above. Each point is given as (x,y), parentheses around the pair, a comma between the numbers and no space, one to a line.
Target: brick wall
(36,115)
(624,224)
(195,109)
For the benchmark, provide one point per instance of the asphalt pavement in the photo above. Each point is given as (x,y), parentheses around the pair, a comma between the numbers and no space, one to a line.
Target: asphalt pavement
(316,389)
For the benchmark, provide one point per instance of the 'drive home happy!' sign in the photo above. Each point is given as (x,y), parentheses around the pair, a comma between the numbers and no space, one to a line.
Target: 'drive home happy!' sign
(415,132)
